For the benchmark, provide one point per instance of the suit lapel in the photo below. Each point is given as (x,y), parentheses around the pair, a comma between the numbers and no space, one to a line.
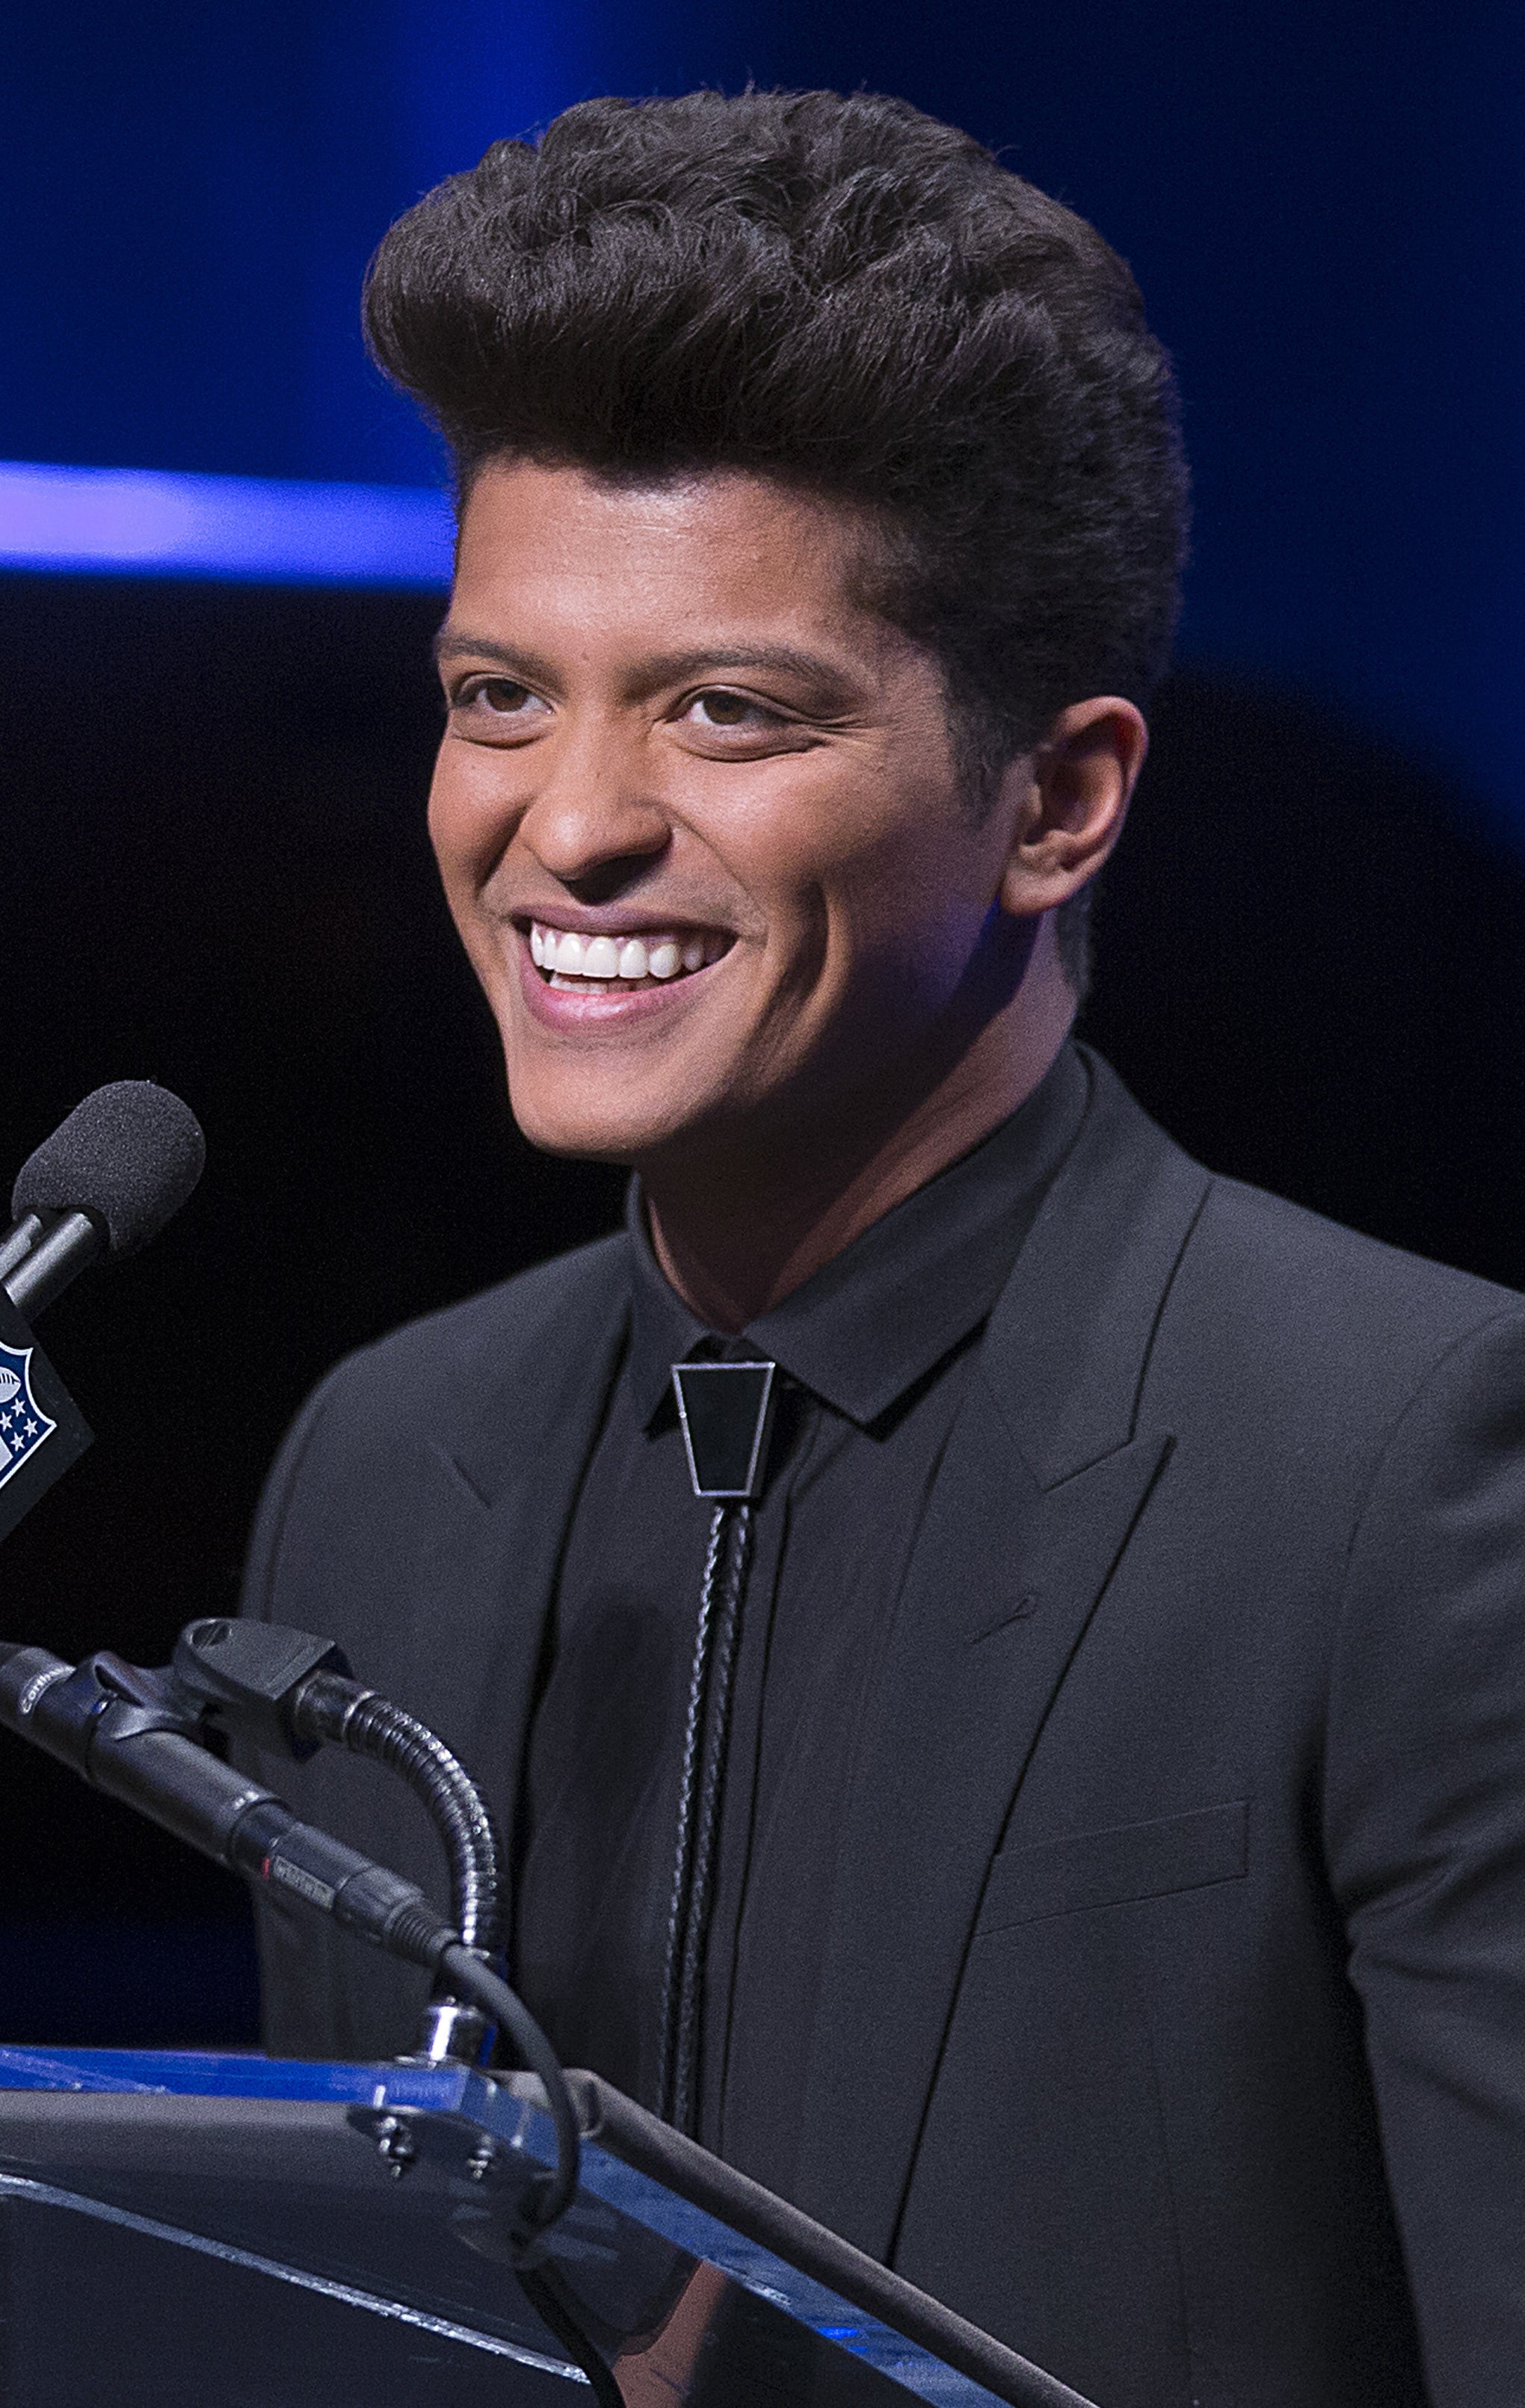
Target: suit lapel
(508,1478)
(1046,1472)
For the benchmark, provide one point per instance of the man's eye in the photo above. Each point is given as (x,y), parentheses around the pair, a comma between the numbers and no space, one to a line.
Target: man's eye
(719,709)
(499,697)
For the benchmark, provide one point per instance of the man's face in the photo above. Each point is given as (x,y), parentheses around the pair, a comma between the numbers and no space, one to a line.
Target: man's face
(697,817)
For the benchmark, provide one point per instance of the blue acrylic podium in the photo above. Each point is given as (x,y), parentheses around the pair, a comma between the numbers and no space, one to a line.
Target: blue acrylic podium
(231,2232)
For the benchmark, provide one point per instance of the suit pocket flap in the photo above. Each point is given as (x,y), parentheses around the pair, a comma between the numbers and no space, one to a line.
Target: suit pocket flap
(1136,1860)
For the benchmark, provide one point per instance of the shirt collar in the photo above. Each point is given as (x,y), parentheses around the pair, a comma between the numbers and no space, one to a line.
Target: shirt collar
(878,1316)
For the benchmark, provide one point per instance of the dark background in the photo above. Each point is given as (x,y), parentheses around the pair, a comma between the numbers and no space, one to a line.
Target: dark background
(212,860)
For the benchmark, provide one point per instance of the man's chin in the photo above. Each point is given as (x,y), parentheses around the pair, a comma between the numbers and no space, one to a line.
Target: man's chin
(615,1130)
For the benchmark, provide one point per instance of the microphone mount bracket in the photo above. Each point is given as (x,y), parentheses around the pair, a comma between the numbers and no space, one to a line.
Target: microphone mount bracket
(252,1676)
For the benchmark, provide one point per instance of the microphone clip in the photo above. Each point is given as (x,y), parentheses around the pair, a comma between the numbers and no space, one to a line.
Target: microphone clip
(105,1699)
(252,1675)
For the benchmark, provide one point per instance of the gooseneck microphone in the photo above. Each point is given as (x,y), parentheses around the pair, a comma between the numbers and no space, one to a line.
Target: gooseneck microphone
(128,1732)
(102,1185)
(109,1722)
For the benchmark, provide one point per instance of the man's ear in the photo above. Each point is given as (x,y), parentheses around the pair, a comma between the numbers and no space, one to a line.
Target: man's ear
(1066,801)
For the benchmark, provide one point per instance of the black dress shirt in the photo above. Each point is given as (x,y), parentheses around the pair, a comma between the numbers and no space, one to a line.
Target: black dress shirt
(874,1354)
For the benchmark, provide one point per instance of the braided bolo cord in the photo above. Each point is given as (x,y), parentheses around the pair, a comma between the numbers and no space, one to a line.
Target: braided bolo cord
(688,1784)
(706,1734)
(712,1784)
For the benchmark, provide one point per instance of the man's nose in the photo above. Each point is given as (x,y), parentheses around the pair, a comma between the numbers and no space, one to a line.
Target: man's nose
(594,816)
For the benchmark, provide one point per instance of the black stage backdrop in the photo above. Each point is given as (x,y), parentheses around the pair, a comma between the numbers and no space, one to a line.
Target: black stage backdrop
(1310,967)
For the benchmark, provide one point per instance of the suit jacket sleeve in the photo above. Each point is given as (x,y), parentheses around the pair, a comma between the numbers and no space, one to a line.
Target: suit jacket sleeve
(1425,1833)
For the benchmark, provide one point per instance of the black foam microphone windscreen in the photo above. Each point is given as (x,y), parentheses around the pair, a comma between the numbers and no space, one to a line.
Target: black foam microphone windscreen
(129,1155)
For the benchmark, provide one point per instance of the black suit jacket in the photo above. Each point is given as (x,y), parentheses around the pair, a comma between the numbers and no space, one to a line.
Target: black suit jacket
(1174,2017)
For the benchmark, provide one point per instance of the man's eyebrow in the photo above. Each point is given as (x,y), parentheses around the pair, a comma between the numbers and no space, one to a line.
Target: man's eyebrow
(452,643)
(662,669)
(670,668)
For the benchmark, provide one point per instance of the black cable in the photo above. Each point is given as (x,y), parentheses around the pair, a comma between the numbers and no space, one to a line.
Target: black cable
(478,1982)
(560,2322)
(475,1981)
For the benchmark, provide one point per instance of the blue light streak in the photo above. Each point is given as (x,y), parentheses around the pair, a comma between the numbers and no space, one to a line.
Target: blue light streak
(145,522)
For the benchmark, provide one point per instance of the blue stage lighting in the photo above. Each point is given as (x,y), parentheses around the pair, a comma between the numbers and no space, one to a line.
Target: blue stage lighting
(143,522)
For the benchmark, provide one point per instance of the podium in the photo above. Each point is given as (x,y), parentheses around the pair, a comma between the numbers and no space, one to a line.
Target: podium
(233,2231)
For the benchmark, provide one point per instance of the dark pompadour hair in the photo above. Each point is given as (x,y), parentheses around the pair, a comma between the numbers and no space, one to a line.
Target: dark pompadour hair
(858,299)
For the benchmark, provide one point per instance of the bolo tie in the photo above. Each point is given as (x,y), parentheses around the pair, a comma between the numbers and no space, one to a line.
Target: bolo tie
(724,1410)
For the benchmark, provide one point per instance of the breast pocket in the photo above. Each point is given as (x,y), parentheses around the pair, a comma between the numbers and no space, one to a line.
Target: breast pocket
(1134,1861)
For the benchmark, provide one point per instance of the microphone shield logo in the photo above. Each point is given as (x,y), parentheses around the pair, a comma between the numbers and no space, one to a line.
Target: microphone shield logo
(23,1425)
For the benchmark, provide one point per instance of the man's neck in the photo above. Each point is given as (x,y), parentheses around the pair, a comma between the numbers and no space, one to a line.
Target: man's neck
(741,1229)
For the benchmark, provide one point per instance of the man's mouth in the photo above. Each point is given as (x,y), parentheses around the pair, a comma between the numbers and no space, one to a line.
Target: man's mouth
(621,965)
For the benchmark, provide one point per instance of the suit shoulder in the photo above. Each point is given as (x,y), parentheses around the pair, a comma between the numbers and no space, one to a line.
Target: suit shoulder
(1282,1237)
(1256,1261)
(453,1348)
(1245,1274)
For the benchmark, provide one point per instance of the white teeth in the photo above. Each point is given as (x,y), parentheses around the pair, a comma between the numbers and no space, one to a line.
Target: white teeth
(599,964)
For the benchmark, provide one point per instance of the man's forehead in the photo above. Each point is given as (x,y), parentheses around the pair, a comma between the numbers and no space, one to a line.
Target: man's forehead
(723,528)
(724,566)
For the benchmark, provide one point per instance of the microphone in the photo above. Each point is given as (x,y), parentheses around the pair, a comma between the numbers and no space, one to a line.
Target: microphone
(109,1177)
(104,1183)
(111,1722)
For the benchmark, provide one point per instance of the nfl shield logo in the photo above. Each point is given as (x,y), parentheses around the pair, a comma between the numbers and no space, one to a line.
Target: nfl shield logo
(23,1425)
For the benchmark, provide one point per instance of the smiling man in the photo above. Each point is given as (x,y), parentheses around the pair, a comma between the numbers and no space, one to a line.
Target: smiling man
(674,728)
(998,1654)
